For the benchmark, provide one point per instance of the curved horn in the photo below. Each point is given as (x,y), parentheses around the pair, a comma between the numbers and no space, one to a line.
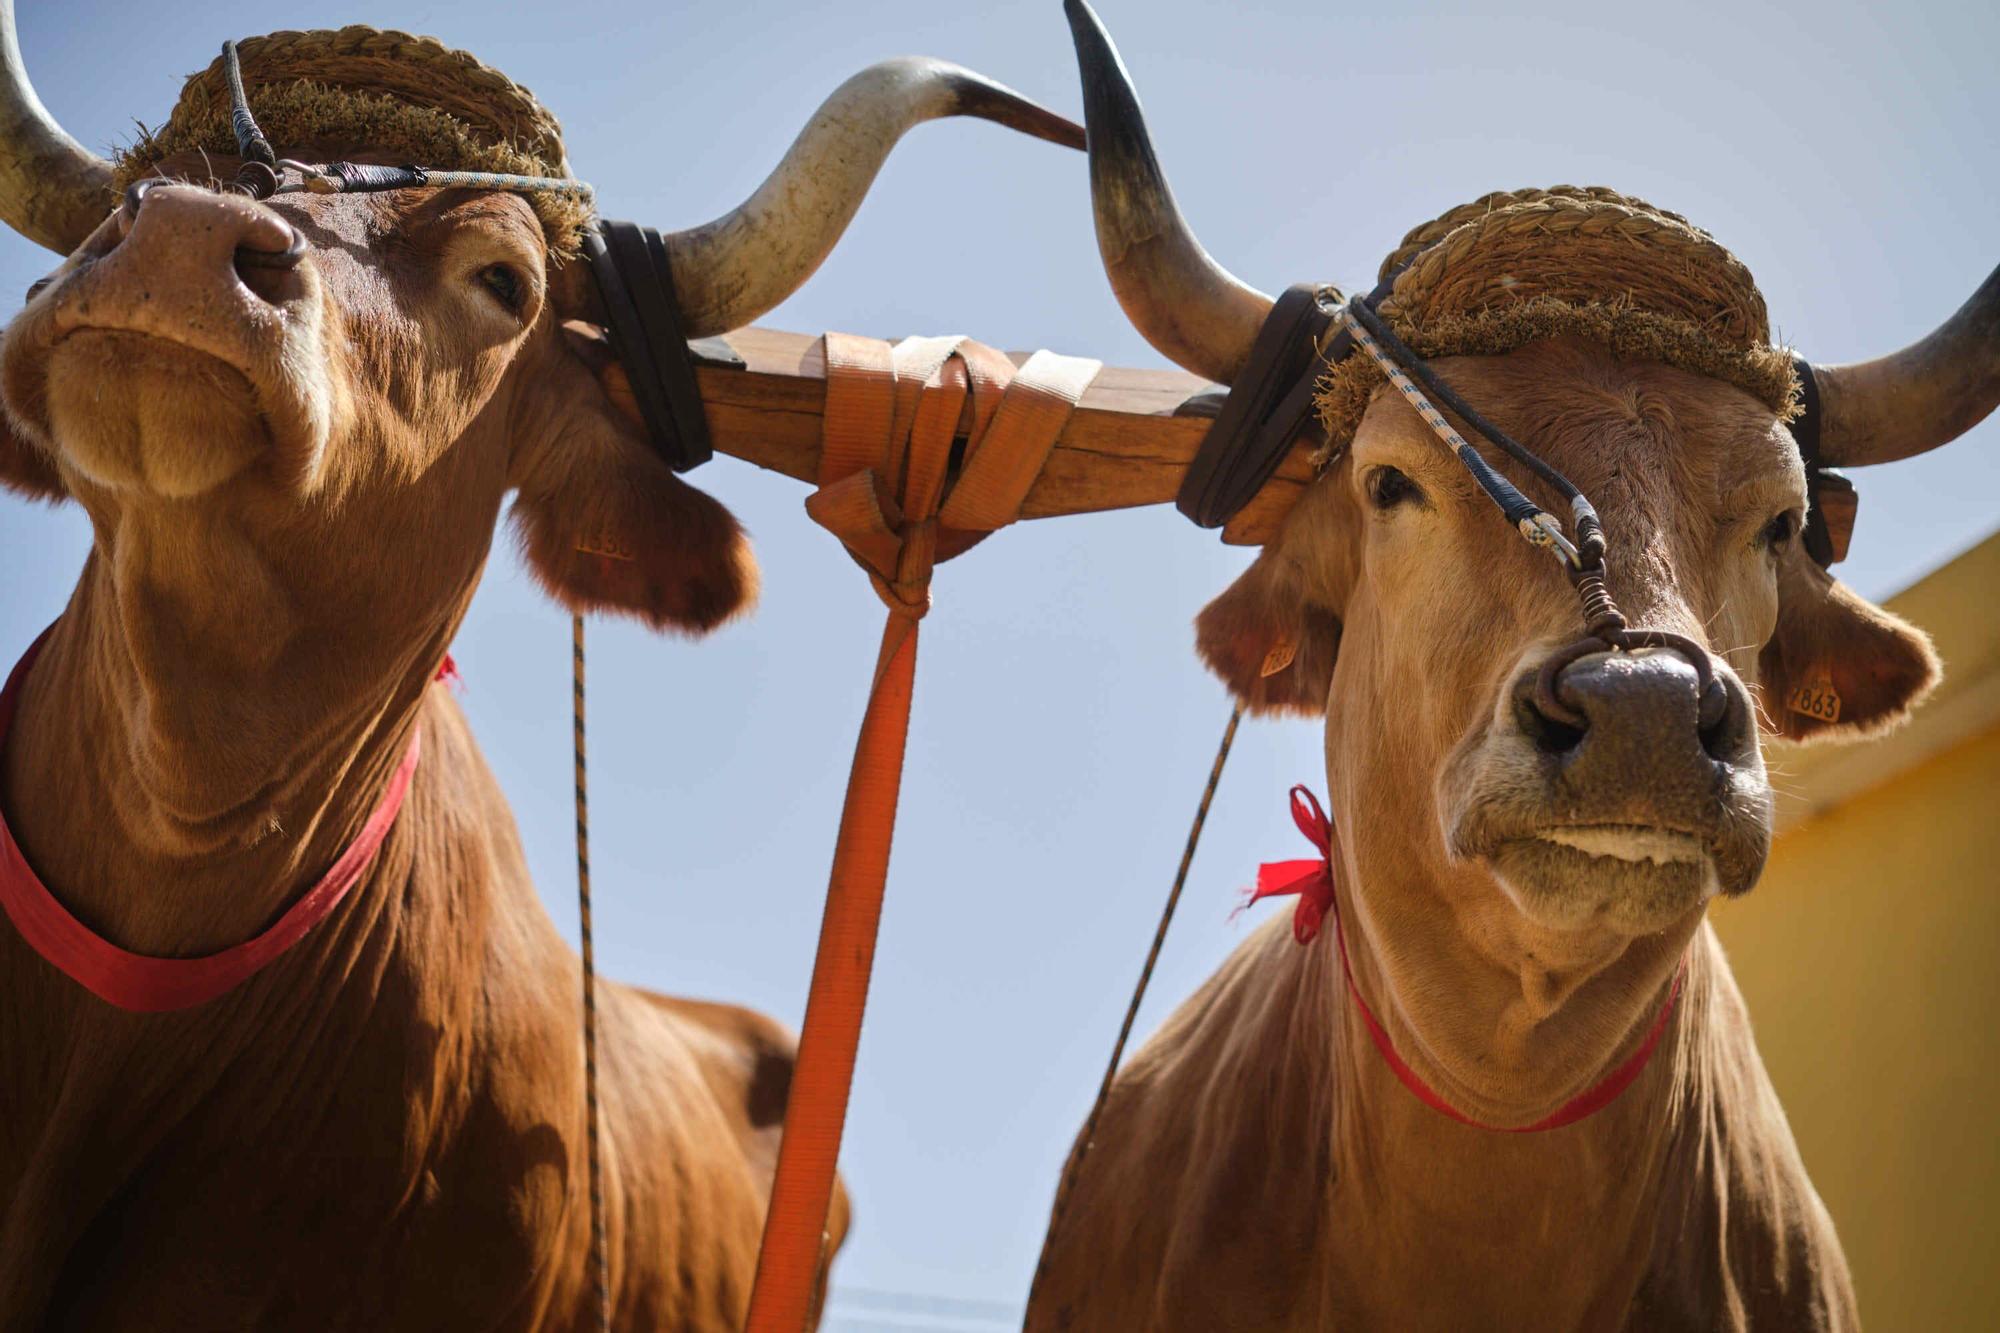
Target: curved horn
(52,189)
(729,271)
(1183,302)
(1915,400)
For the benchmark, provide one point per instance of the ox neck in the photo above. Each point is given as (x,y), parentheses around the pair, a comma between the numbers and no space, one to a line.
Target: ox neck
(175,789)
(1581,1207)
(1528,1034)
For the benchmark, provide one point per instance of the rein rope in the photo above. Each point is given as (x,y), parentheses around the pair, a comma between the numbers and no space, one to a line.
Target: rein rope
(600,1285)
(1074,1166)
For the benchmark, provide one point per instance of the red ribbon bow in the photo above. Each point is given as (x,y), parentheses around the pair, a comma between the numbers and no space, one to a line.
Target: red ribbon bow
(1311,880)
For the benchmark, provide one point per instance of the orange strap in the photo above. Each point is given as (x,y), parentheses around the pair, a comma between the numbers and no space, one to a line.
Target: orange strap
(887,490)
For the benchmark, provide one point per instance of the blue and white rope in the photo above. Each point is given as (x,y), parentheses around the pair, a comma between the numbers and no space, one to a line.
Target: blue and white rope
(1539,528)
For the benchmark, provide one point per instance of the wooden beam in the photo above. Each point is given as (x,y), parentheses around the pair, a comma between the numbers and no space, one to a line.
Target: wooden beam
(1122,447)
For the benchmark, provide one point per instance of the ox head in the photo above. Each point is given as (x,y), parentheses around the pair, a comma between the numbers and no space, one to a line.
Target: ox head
(1396,604)
(348,385)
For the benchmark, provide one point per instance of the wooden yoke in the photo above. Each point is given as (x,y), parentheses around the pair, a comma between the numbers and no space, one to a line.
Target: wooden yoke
(1124,446)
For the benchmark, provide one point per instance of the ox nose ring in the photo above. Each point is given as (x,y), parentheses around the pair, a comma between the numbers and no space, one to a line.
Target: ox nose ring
(245,256)
(1606,628)
(135,199)
(1712,696)
(288,257)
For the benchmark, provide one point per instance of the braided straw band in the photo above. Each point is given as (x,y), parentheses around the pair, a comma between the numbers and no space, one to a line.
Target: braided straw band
(387,95)
(1424,236)
(1509,269)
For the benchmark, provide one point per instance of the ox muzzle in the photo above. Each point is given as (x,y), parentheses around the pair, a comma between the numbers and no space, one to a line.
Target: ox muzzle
(179,345)
(1635,801)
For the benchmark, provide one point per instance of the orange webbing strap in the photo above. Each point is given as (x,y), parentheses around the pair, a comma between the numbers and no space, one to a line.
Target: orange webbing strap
(891,419)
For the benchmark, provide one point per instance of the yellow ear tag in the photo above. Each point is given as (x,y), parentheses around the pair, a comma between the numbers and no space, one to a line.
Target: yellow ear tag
(1281,655)
(1817,699)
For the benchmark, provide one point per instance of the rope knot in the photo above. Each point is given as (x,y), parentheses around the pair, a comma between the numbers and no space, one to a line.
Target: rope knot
(895,553)
(929,445)
(908,594)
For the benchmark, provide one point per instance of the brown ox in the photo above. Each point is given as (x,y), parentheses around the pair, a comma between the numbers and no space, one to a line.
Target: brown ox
(1516,892)
(293,473)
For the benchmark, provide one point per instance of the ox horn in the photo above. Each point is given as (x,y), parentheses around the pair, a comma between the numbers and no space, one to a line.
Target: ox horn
(730,271)
(53,190)
(1184,303)
(1915,400)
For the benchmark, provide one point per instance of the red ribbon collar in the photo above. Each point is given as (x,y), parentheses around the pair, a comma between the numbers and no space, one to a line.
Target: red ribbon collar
(151,985)
(1312,881)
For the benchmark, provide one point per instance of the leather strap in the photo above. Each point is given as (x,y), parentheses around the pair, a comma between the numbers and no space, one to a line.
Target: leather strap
(1268,410)
(1831,500)
(629,264)
(926,447)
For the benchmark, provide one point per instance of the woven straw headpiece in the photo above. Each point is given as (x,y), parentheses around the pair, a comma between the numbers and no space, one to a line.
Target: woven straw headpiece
(1511,267)
(361,89)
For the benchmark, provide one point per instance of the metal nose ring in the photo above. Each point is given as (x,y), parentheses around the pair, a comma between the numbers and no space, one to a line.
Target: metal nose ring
(1711,695)
(288,257)
(135,197)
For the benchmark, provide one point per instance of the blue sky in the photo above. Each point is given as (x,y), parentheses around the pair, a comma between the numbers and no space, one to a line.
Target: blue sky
(1062,727)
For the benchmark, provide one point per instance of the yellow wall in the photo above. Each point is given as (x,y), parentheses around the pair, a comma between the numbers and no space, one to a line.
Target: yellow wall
(1870,958)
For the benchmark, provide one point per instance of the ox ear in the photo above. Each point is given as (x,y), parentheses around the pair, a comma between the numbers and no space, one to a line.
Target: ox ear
(607,526)
(25,468)
(1272,635)
(1838,666)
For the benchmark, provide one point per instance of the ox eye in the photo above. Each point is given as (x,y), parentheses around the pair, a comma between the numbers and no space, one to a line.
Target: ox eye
(1779,531)
(506,286)
(1388,488)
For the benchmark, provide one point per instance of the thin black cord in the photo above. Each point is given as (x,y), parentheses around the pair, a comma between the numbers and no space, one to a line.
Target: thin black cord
(250,141)
(258,174)
(1074,1167)
(1589,530)
(599,1275)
